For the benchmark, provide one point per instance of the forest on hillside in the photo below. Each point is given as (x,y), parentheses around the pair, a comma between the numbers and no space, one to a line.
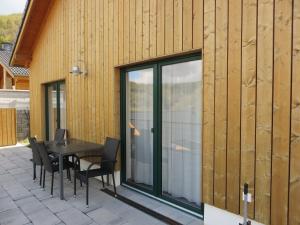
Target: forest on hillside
(9,26)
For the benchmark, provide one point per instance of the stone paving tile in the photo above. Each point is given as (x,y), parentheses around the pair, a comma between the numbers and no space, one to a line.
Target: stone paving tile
(56,205)
(104,216)
(74,216)
(23,201)
(136,218)
(17,191)
(3,171)
(17,171)
(29,205)
(43,216)
(13,217)
(22,177)
(3,193)
(9,165)
(5,178)
(41,194)
(6,203)
(31,185)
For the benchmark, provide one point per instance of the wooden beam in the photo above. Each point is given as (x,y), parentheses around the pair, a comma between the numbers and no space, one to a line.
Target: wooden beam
(294,182)
(264,110)
(23,57)
(208,104)
(4,79)
(221,104)
(248,111)
(281,112)
(234,106)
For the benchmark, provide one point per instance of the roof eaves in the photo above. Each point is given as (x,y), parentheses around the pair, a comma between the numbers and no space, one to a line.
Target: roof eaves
(20,29)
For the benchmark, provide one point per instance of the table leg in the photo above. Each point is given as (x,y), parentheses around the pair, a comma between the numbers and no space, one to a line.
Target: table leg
(61,176)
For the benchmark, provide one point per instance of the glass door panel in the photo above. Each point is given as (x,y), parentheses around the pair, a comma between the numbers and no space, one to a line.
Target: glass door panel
(52,110)
(139,127)
(181,132)
(62,106)
(55,108)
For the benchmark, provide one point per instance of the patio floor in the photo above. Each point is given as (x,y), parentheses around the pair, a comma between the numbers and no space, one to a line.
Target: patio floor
(22,201)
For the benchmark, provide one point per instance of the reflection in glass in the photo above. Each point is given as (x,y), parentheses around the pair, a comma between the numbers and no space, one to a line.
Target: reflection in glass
(139,120)
(52,108)
(181,131)
(63,111)
(56,109)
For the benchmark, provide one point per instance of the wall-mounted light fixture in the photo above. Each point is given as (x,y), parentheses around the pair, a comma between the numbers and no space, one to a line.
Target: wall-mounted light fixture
(77,71)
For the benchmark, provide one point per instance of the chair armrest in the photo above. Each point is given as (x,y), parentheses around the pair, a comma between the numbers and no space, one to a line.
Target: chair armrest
(92,164)
(90,156)
(108,161)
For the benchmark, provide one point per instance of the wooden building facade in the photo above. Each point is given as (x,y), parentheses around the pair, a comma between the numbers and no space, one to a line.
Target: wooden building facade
(250,52)
(11,77)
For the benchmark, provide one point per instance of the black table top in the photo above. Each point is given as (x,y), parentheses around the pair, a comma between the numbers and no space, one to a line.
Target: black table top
(73,146)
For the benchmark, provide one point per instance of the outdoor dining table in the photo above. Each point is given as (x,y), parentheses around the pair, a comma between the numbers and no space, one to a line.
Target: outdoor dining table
(69,148)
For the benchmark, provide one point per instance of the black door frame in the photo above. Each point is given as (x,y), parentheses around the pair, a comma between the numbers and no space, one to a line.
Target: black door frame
(157,123)
(57,84)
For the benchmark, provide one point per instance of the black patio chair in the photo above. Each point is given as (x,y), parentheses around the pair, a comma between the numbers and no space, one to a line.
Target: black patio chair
(107,166)
(50,164)
(36,159)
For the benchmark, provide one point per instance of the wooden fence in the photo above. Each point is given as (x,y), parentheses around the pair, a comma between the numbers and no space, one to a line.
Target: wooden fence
(8,127)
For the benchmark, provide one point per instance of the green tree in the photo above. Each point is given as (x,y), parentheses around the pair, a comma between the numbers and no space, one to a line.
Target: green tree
(9,27)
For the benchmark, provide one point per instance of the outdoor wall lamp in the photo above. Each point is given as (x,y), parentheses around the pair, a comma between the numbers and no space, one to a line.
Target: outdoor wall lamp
(77,71)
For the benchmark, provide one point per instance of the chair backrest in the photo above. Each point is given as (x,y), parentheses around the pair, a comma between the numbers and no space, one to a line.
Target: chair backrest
(36,158)
(45,157)
(59,135)
(111,147)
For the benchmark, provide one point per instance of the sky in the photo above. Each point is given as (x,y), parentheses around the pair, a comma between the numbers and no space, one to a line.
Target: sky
(12,6)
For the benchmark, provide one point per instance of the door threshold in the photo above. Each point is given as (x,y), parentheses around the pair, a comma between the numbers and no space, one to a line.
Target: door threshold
(199,216)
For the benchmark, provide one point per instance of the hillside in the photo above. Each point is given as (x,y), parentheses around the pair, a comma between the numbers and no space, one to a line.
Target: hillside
(9,26)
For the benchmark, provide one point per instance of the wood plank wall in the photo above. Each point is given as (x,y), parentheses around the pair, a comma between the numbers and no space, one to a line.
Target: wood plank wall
(8,133)
(251,115)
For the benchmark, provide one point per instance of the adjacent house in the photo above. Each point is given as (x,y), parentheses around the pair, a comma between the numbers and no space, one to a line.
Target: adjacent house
(203,94)
(11,77)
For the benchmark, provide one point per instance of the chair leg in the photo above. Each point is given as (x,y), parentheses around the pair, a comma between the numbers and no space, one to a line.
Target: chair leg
(113,177)
(52,183)
(44,179)
(107,177)
(34,171)
(102,181)
(41,174)
(87,192)
(69,174)
(79,177)
(74,182)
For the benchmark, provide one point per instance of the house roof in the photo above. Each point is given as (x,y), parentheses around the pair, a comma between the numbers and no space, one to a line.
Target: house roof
(15,71)
(34,16)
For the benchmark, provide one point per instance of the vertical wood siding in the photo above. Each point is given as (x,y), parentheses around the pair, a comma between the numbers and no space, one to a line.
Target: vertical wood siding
(294,179)
(8,135)
(251,111)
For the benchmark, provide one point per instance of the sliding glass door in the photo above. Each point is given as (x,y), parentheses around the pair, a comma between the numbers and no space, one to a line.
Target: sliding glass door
(55,102)
(139,120)
(162,130)
(181,131)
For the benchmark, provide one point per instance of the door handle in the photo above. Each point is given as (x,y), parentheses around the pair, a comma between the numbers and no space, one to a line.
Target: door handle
(152,130)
